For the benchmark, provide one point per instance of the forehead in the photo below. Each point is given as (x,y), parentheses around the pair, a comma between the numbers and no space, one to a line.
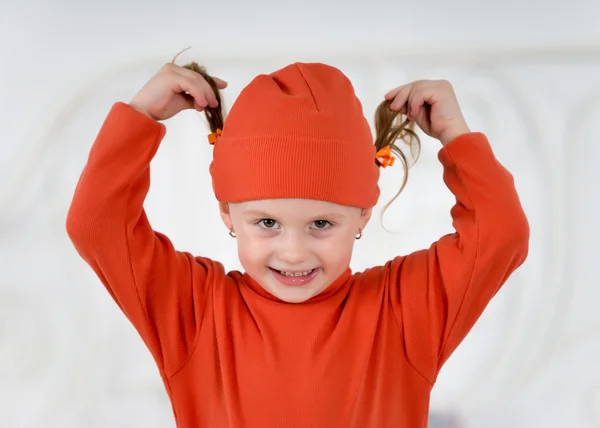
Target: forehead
(293,209)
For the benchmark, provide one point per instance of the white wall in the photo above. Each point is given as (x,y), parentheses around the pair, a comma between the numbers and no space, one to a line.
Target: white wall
(527,74)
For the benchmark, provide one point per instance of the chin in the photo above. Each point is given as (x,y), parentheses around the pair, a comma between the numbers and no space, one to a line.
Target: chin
(292,299)
(295,296)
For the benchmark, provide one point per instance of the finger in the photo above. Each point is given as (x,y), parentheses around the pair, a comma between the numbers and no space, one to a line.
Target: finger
(424,94)
(221,84)
(210,96)
(194,89)
(392,94)
(198,107)
(208,93)
(413,104)
(189,102)
(416,100)
(199,80)
(202,92)
(192,104)
(399,102)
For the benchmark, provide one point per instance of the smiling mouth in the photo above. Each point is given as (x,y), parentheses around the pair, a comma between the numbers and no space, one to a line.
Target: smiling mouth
(294,273)
(297,277)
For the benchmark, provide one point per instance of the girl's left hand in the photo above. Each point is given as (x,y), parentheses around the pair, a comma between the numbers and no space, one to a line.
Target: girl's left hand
(433,105)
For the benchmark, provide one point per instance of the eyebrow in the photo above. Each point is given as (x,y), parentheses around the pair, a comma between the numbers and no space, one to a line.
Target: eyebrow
(264,214)
(257,213)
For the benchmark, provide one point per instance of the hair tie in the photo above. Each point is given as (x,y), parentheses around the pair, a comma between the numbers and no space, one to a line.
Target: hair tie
(212,137)
(384,157)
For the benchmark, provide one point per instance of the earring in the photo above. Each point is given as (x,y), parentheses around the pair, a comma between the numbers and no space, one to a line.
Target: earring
(359,235)
(232,233)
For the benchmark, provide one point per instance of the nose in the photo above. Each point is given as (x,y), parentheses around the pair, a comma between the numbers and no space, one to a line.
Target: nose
(293,249)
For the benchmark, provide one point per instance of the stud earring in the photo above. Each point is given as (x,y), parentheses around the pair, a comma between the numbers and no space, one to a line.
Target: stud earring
(232,233)
(359,235)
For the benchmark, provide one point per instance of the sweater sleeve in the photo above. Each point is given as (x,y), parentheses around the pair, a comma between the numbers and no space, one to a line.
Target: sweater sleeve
(161,291)
(439,293)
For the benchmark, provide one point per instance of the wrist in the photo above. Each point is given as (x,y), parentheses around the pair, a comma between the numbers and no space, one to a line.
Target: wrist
(134,106)
(453,133)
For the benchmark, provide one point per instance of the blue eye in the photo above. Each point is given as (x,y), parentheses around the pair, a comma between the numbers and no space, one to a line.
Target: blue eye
(267,223)
(321,224)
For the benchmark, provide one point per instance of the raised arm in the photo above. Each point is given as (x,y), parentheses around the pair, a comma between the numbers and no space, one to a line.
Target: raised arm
(439,293)
(160,290)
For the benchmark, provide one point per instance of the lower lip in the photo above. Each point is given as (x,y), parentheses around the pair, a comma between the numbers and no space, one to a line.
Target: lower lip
(295,280)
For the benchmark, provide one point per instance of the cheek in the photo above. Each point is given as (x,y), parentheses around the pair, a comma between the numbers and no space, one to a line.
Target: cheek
(252,251)
(337,250)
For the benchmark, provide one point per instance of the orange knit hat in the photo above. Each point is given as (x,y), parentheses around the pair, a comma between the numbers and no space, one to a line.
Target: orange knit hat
(298,132)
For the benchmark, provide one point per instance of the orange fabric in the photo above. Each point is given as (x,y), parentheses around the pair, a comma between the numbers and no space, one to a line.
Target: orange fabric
(364,353)
(305,122)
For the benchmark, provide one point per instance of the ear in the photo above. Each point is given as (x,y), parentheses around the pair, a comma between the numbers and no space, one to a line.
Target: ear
(365,216)
(225,215)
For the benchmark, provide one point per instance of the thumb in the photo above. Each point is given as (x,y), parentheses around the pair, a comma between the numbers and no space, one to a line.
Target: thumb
(197,106)
(186,102)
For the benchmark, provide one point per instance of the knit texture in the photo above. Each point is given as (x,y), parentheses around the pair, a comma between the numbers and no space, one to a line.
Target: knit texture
(299,132)
(365,353)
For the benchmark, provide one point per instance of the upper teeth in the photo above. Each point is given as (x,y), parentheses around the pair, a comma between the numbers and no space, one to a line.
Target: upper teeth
(306,272)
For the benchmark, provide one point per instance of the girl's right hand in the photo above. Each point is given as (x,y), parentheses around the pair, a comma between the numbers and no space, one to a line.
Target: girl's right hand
(172,90)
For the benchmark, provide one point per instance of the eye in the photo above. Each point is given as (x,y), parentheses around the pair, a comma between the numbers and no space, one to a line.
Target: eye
(267,223)
(321,224)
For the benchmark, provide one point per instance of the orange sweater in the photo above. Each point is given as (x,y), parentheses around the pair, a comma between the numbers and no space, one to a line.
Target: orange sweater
(364,353)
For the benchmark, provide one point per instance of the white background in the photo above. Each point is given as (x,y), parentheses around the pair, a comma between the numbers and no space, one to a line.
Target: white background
(527,74)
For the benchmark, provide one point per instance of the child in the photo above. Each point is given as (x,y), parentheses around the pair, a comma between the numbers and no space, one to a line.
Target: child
(298,340)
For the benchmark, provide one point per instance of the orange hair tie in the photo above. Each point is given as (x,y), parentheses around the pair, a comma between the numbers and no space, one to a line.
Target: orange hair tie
(385,158)
(212,138)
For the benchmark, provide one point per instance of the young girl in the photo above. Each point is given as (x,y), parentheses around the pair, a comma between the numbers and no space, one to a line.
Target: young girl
(298,340)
